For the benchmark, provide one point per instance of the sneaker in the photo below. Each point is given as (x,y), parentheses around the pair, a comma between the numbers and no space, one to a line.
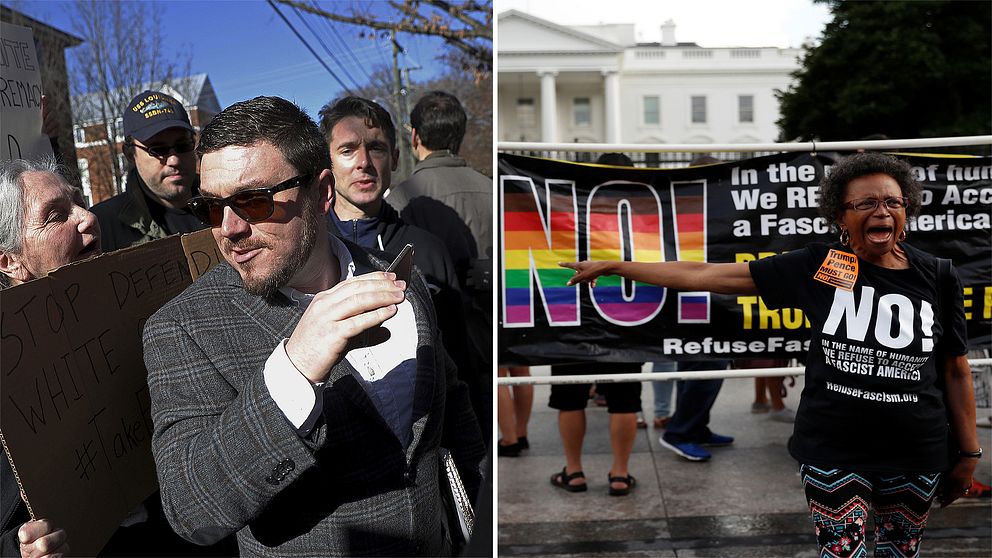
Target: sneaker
(784,414)
(758,408)
(716,440)
(688,450)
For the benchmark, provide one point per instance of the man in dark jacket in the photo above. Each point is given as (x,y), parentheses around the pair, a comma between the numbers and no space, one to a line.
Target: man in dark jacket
(363,151)
(444,195)
(158,145)
(455,202)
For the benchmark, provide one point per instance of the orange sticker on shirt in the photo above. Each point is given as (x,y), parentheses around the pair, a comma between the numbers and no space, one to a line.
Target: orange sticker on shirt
(839,269)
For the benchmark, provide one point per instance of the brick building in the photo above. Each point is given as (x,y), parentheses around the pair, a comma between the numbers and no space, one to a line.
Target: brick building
(101,175)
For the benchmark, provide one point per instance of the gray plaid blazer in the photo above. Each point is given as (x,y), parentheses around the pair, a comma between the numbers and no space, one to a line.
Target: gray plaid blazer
(229,461)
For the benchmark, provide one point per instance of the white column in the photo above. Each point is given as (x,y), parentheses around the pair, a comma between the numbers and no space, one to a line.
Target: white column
(612,95)
(549,106)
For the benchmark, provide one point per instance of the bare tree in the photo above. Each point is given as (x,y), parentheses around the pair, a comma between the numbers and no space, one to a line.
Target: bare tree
(466,26)
(476,96)
(123,53)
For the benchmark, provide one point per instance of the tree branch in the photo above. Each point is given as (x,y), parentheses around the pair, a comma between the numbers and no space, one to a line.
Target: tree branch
(476,31)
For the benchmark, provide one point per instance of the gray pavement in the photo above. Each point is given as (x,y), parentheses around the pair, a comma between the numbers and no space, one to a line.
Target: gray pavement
(746,501)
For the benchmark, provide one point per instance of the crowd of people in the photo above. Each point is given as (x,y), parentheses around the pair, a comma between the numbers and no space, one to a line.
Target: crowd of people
(306,363)
(303,363)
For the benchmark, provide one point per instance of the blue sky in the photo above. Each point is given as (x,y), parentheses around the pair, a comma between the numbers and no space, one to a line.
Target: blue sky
(247,50)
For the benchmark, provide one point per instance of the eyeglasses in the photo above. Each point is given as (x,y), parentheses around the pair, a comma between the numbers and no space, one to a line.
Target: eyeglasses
(163,151)
(251,205)
(869,204)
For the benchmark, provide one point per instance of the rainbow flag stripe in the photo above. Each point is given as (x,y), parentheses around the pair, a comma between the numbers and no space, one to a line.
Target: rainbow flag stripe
(624,224)
(532,247)
(689,208)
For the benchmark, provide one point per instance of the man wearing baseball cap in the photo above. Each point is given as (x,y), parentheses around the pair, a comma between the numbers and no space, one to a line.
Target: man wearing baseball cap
(158,144)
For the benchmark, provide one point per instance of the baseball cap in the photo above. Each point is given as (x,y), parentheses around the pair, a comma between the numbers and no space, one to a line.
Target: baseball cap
(150,112)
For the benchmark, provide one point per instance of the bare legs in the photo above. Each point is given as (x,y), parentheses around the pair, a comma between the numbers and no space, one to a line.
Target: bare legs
(513,406)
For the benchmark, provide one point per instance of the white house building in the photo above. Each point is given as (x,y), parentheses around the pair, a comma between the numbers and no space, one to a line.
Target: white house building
(595,83)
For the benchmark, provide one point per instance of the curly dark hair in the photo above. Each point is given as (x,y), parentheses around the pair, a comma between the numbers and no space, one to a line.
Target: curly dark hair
(834,184)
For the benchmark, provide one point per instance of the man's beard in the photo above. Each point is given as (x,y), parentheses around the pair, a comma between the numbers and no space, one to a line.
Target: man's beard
(267,286)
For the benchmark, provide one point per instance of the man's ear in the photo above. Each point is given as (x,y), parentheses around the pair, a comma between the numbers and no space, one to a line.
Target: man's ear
(325,191)
(10,265)
(414,140)
(128,151)
(396,159)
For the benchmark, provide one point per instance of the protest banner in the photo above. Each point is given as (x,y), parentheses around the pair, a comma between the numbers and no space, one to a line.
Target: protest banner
(75,417)
(552,211)
(20,96)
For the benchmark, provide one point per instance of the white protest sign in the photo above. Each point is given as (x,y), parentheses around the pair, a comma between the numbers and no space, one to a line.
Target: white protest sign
(20,95)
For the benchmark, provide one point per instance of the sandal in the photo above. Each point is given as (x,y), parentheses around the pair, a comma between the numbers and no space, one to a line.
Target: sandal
(661,422)
(628,480)
(562,480)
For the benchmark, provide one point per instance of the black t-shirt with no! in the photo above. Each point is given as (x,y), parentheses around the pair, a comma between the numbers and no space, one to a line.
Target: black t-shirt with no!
(871,401)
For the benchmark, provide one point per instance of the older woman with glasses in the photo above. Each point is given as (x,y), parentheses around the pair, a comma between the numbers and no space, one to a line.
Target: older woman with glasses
(886,422)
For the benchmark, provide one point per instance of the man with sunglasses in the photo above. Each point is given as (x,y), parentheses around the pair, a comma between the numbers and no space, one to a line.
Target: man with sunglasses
(300,395)
(158,145)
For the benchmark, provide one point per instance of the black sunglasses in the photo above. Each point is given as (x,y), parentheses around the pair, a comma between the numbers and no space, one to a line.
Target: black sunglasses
(251,205)
(163,151)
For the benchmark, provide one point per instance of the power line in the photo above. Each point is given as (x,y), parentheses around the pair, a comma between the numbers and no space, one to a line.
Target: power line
(327,50)
(340,43)
(312,51)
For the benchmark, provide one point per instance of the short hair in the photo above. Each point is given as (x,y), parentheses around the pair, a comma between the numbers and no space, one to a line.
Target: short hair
(271,120)
(834,184)
(703,159)
(439,120)
(372,112)
(615,159)
(12,196)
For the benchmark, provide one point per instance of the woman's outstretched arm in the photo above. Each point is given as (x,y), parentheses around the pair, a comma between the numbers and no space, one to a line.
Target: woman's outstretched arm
(725,278)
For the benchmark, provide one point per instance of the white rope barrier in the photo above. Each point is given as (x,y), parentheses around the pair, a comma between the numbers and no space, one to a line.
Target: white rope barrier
(683,375)
(804,146)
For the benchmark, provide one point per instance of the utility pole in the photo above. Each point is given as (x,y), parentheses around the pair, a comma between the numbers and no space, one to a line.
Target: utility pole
(400,104)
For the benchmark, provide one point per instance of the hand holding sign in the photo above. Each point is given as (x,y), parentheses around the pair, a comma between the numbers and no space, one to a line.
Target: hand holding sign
(40,538)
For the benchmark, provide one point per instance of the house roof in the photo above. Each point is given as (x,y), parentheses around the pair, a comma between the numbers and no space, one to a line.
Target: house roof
(194,91)
(593,42)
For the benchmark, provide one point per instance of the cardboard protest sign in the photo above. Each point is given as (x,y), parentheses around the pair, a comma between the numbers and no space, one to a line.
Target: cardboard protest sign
(20,96)
(201,252)
(75,415)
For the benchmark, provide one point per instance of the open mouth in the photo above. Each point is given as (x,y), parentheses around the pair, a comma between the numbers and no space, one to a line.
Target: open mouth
(880,234)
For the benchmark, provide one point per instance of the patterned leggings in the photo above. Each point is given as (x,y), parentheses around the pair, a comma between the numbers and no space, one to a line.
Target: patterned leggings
(839,502)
